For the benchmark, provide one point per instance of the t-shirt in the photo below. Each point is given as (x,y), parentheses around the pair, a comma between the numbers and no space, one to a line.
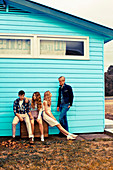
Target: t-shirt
(20,102)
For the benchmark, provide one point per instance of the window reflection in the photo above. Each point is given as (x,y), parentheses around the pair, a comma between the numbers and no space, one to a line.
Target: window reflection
(60,47)
(75,48)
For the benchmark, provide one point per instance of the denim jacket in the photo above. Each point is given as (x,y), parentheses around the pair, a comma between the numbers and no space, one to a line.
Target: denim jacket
(67,95)
(25,107)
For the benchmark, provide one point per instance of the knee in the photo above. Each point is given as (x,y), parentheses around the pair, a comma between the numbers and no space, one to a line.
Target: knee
(32,122)
(14,124)
(39,121)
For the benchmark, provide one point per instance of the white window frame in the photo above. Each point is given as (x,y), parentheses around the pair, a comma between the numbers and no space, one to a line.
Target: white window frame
(66,38)
(35,46)
(16,36)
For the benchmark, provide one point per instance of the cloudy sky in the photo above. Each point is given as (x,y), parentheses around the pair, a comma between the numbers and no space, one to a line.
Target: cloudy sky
(99,11)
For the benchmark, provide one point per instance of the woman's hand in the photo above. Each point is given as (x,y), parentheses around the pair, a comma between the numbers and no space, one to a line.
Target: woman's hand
(21,119)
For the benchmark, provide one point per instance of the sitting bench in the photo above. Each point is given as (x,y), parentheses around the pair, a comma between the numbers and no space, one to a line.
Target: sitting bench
(24,133)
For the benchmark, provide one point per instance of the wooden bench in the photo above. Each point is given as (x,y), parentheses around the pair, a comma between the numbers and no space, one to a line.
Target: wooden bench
(24,133)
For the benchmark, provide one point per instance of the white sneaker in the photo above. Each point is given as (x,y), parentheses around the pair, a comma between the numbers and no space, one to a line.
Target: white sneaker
(42,138)
(69,137)
(74,136)
(33,138)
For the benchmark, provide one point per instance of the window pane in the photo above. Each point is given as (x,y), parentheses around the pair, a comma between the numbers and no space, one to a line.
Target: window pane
(75,48)
(51,47)
(60,47)
(15,46)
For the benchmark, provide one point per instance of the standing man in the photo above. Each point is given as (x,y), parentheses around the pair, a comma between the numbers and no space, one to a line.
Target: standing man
(65,100)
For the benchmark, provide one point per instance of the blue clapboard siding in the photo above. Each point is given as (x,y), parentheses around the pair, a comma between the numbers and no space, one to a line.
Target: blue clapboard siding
(85,76)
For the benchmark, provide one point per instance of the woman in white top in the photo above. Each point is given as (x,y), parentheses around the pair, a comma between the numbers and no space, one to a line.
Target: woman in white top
(50,119)
(36,111)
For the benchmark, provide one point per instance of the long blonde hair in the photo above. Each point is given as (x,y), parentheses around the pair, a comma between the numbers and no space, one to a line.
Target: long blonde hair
(36,101)
(47,97)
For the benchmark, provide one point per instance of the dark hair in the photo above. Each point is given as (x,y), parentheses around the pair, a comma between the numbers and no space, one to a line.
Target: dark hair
(21,92)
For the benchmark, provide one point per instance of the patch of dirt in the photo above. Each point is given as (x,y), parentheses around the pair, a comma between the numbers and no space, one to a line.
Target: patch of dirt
(56,153)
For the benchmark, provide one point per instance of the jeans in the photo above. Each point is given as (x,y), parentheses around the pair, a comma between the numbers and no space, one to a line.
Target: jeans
(63,117)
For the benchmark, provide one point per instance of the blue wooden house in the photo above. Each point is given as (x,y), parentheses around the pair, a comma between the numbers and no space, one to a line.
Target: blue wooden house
(38,44)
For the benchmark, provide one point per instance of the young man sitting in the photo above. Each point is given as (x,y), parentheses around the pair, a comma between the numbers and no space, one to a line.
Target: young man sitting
(21,110)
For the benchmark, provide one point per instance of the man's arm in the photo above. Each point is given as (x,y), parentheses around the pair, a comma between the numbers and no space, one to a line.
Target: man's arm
(15,107)
(58,104)
(28,109)
(71,96)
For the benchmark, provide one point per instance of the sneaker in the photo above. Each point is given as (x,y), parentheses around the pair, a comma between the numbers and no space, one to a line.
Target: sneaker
(69,137)
(33,138)
(74,136)
(42,138)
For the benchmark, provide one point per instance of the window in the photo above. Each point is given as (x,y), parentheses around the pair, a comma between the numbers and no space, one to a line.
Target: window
(15,46)
(11,46)
(44,46)
(50,47)
(73,48)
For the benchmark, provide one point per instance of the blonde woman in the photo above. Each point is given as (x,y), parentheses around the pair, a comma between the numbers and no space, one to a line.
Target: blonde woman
(50,119)
(36,111)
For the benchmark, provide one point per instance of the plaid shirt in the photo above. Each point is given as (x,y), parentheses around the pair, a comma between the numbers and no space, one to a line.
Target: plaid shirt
(25,107)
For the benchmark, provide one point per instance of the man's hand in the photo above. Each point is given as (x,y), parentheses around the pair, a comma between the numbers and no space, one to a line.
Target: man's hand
(20,118)
(58,109)
(69,106)
(26,100)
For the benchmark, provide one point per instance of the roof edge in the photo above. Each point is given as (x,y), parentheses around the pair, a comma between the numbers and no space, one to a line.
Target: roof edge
(34,7)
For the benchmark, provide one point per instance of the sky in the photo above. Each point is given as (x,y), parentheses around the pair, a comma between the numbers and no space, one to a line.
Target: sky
(98,11)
